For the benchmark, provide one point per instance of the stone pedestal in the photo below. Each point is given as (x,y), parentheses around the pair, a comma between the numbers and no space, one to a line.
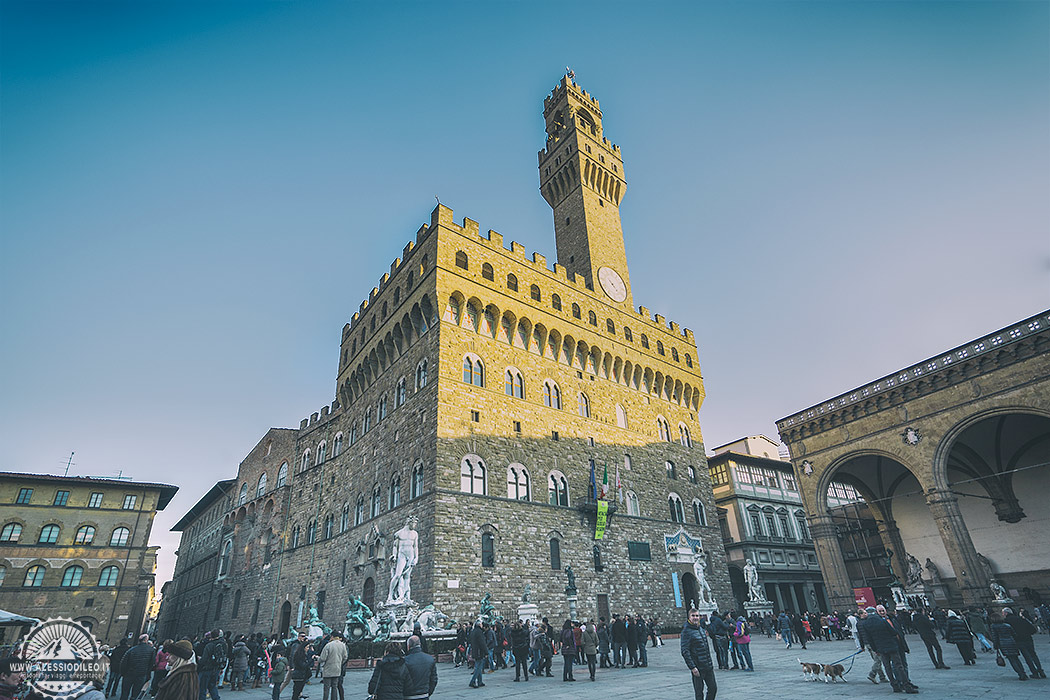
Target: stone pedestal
(705,608)
(758,606)
(900,598)
(528,611)
(572,605)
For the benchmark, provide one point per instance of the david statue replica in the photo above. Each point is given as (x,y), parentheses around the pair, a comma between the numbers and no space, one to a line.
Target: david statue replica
(404,556)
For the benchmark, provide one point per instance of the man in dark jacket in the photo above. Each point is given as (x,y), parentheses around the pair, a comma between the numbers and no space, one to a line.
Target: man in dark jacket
(698,657)
(115,657)
(619,640)
(422,671)
(479,651)
(135,668)
(880,634)
(928,634)
(641,634)
(719,633)
(210,663)
(1023,631)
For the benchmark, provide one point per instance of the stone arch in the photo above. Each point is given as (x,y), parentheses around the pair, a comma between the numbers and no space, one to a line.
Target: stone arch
(508,324)
(523,335)
(538,344)
(823,483)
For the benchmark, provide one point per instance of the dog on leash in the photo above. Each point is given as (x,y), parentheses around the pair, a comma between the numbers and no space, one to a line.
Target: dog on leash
(831,672)
(810,672)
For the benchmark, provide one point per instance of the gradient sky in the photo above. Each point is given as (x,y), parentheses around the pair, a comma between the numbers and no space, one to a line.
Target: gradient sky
(195,197)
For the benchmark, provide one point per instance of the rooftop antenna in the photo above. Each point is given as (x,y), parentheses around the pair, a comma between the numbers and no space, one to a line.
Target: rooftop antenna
(69,463)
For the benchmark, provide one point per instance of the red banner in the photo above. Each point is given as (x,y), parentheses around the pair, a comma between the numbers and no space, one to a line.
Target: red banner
(864,597)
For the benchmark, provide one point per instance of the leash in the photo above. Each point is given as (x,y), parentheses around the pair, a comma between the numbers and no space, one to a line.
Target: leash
(852,657)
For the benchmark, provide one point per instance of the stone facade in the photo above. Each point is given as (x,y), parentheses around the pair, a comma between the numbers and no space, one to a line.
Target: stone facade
(78,547)
(956,445)
(471,355)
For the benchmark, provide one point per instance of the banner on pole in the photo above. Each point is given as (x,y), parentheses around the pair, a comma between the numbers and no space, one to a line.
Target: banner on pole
(603,513)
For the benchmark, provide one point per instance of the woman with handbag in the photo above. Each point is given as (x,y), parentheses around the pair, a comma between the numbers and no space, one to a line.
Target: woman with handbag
(390,674)
(1006,645)
(742,644)
(958,633)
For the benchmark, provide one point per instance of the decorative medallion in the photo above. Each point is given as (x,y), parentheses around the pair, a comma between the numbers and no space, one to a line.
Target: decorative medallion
(807,467)
(911,436)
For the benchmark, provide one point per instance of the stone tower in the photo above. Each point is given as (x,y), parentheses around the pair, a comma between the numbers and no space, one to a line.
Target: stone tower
(581,177)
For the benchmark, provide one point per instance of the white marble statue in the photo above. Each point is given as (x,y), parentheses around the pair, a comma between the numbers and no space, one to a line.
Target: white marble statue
(703,587)
(914,571)
(754,590)
(405,554)
(1001,596)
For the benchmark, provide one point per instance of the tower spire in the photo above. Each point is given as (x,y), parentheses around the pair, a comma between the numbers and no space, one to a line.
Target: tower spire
(582,179)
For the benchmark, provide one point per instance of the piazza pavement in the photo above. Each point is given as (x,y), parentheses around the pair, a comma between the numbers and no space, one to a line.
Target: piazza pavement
(777,674)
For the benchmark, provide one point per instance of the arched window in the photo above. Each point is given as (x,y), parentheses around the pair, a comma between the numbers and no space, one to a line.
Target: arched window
(660,347)
(359,511)
(329,527)
(699,516)
(555,554)
(282,475)
(260,487)
(512,283)
(688,360)
(671,472)
(555,302)
(534,292)
(368,419)
(461,259)
(322,451)
(377,500)
(683,435)
(674,502)
(800,520)
(610,326)
(632,504)
(417,481)
(236,604)
(381,414)
(11,532)
(627,334)
(242,498)
(584,405)
(344,521)
(400,399)
(621,416)
(692,474)
(108,576)
(311,532)
(664,429)
(513,384)
(337,446)
(394,497)
(518,482)
(120,537)
(557,489)
(674,354)
(295,537)
(486,272)
(551,394)
(452,310)
(72,575)
(576,311)
(421,375)
(472,475)
(85,535)
(34,577)
(645,341)
(488,550)
(592,318)
(225,560)
(473,370)
(305,462)
(48,534)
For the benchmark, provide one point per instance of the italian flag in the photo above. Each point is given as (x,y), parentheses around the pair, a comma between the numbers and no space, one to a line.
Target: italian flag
(605,483)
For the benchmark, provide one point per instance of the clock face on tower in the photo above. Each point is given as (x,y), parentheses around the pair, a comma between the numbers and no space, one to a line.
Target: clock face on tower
(612,283)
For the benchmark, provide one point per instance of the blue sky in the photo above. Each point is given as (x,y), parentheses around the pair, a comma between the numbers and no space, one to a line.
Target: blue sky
(195,197)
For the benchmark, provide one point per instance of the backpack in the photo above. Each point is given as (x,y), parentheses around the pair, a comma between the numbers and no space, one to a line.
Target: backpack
(216,654)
